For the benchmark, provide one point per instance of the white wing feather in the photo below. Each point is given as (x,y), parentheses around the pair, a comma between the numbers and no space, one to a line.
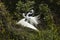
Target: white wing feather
(26,24)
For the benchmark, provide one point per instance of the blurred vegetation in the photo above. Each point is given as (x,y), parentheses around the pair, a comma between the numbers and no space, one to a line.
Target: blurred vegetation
(11,12)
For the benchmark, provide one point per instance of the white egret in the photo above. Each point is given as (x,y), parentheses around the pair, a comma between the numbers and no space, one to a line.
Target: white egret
(29,21)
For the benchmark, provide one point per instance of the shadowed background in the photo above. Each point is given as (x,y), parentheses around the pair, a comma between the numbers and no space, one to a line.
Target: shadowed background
(11,12)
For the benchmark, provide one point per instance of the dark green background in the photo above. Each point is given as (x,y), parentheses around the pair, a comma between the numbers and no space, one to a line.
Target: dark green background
(11,12)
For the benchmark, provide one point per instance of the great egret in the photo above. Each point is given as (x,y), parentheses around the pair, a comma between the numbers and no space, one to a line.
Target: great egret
(29,21)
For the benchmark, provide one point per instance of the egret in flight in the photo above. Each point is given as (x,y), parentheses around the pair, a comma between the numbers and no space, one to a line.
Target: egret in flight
(29,21)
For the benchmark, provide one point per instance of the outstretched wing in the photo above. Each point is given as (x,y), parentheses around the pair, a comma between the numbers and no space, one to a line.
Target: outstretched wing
(26,24)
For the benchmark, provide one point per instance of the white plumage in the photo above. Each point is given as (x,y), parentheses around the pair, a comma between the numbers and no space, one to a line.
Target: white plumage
(32,20)
(29,21)
(26,24)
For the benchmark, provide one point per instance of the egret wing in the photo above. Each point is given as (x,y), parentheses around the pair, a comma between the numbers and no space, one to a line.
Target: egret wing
(26,24)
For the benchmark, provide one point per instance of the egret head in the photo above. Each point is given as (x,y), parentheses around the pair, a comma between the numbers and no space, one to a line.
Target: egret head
(32,11)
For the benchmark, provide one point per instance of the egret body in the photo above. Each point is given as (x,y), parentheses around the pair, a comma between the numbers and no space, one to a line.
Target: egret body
(28,21)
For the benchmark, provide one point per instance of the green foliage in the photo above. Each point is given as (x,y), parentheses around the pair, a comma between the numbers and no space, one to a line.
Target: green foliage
(21,6)
(44,7)
(10,31)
